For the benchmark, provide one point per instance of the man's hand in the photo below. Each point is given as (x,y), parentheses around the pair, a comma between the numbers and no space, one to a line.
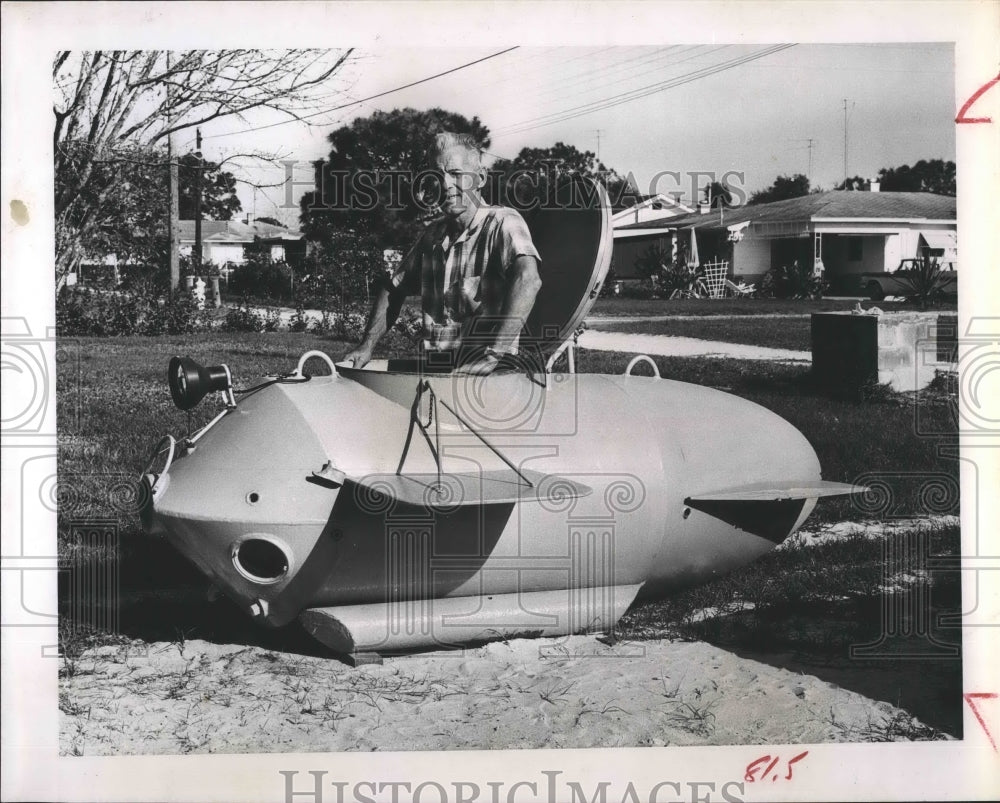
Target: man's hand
(482,367)
(360,357)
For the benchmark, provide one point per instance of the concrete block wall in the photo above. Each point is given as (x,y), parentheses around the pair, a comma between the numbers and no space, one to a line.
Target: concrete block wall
(903,349)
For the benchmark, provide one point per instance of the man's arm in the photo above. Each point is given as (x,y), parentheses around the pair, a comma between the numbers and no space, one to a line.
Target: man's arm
(385,309)
(383,315)
(524,286)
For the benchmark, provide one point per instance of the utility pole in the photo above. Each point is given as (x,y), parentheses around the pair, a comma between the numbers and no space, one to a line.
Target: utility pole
(598,131)
(174,199)
(845,143)
(809,171)
(196,253)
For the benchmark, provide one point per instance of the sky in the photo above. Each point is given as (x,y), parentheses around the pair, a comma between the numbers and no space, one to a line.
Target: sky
(752,109)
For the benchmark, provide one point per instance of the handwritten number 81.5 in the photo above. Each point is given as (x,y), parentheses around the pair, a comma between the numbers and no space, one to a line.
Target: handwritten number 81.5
(754,772)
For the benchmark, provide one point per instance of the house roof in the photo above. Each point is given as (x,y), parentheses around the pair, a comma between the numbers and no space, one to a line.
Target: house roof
(648,200)
(236,231)
(819,206)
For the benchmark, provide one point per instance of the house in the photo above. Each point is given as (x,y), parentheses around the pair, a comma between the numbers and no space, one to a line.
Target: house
(843,233)
(226,241)
(650,207)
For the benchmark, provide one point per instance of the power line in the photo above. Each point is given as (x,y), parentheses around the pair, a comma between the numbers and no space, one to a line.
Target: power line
(635,94)
(371,97)
(626,97)
(599,84)
(529,76)
(601,71)
(622,94)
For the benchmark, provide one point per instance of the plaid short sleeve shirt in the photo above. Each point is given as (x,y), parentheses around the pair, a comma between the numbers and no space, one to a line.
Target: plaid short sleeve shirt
(466,278)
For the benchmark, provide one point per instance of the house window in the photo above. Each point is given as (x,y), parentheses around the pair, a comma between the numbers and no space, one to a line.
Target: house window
(854,249)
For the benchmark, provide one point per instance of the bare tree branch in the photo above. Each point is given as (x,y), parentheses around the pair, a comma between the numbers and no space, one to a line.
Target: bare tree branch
(114,108)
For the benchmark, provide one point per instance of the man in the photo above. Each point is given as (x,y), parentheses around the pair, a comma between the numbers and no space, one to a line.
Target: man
(476,272)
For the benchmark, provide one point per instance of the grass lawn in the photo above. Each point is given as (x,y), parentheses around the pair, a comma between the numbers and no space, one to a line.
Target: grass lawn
(623,307)
(779,333)
(875,439)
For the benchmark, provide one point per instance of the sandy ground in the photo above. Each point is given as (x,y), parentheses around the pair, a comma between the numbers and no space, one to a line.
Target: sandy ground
(668,346)
(200,697)
(821,534)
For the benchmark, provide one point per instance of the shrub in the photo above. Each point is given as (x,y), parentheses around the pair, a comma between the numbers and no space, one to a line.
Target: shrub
(668,276)
(652,264)
(683,279)
(243,319)
(176,315)
(261,277)
(923,282)
(299,321)
(791,281)
(350,322)
(325,325)
(272,319)
(141,311)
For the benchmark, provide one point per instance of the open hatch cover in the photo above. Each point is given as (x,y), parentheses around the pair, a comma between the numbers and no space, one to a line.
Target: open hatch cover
(572,232)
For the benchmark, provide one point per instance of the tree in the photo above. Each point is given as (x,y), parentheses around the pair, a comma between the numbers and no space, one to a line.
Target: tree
(935,176)
(858,183)
(127,219)
(720,195)
(113,107)
(531,175)
(366,184)
(218,190)
(784,187)
(131,223)
(271,222)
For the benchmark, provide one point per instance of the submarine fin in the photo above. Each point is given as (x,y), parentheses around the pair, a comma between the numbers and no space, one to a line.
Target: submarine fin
(503,486)
(779,492)
(768,509)
(452,621)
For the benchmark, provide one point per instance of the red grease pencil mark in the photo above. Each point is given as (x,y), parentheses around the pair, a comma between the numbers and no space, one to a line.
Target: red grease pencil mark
(981,695)
(975,96)
(754,773)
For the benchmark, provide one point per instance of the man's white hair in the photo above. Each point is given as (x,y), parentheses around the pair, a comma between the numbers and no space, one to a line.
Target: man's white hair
(447,139)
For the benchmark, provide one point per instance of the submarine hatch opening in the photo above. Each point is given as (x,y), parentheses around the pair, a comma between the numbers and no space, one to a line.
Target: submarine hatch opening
(260,561)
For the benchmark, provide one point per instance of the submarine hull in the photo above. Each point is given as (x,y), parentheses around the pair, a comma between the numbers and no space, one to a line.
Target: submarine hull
(547,485)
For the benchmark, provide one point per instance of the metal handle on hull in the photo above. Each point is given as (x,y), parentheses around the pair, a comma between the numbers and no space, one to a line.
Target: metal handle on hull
(315,353)
(157,451)
(640,358)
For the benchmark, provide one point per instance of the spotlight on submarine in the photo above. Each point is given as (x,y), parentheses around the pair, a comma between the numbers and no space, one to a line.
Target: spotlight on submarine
(401,506)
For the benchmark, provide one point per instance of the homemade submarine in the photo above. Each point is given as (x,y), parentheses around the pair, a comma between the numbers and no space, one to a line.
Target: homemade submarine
(399,506)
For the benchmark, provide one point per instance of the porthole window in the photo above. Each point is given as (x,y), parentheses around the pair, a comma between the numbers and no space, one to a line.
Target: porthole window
(260,560)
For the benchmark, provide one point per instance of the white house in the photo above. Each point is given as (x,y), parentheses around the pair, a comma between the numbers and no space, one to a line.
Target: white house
(843,233)
(651,207)
(226,241)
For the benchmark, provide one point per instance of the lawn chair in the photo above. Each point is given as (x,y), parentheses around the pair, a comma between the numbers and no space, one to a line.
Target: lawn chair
(714,278)
(741,290)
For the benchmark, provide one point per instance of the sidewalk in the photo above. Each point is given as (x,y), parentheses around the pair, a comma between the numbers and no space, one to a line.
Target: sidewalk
(667,346)
(660,345)
(602,320)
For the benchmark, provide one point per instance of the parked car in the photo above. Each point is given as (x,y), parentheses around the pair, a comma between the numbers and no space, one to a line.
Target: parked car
(900,282)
